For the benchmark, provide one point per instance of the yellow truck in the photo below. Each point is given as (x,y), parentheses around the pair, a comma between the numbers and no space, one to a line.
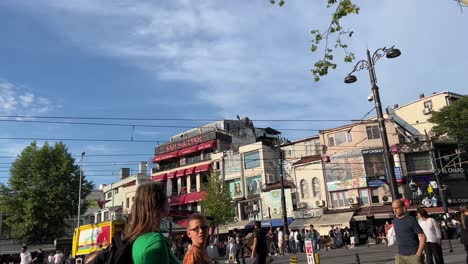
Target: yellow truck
(92,237)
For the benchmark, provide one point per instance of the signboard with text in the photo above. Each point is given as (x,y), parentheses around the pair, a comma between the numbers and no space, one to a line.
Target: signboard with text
(345,171)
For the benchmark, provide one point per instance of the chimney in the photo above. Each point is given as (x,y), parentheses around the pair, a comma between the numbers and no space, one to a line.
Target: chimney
(395,106)
(124,173)
(421,96)
(142,168)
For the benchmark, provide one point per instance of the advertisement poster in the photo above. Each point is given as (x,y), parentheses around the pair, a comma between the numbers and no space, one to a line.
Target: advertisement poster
(345,171)
(235,188)
(254,185)
(374,164)
(272,200)
(92,238)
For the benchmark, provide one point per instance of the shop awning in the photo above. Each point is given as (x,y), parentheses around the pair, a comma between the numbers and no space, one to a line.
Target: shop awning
(190,170)
(206,145)
(325,221)
(194,197)
(201,168)
(129,184)
(188,150)
(434,210)
(187,198)
(159,177)
(180,173)
(276,222)
(303,222)
(165,156)
(171,174)
(239,225)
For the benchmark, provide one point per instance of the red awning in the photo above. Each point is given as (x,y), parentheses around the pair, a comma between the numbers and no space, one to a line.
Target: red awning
(128,184)
(165,156)
(204,167)
(180,173)
(194,197)
(190,170)
(187,198)
(188,150)
(206,145)
(171,174)
(182,223)
(159,177)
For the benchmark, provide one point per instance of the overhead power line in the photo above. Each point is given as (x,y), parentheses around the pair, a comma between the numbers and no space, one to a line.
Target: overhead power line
(172,119)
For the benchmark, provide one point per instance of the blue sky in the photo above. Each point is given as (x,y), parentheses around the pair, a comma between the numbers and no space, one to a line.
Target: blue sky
(205,60)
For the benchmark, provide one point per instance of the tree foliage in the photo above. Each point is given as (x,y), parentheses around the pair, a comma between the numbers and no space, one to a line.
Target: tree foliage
(42,193)
(334,33)
(217,204)
(332,38)
(452,121)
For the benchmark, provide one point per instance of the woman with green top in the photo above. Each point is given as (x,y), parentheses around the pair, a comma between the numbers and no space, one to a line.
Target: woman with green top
(151,205)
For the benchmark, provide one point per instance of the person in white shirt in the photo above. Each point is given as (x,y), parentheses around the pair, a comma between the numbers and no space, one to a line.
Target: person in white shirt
(25,255)
(292,242)
(58,257)
(50,259)
(433,246)
(280,240)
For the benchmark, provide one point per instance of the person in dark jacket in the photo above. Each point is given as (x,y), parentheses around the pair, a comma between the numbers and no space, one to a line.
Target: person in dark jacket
(259,248)
(464,228)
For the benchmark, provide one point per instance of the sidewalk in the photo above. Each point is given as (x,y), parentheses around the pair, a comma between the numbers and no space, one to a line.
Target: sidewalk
(373,254)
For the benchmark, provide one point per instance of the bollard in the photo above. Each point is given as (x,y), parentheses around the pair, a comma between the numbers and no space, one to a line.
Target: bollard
(358,261)
(293,260)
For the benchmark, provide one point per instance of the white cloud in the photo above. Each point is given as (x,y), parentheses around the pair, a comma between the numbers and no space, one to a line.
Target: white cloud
(253,58)
(13,101)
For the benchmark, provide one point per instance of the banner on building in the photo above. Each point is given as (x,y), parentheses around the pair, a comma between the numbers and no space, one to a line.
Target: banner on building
(345,171)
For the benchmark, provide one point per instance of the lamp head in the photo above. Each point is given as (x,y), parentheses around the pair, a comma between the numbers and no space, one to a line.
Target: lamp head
(393,53)
(350,79)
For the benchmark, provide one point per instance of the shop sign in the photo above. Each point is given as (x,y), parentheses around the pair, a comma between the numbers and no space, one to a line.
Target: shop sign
(185,143)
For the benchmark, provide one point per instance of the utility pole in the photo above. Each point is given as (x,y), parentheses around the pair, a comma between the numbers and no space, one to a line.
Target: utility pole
(79,190)
(283,197)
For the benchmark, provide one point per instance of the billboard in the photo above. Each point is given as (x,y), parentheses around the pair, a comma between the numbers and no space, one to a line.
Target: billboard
(272,200)
(254,185)
(374,164)
(345,171)
(235,188)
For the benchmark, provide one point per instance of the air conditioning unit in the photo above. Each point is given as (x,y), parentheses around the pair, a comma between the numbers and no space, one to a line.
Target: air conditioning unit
(427,111)
(386,199)
(353,201)
(320,203)
(301,205)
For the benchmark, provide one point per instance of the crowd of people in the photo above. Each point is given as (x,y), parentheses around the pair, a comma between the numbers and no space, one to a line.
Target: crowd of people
(419,240)
(415,238)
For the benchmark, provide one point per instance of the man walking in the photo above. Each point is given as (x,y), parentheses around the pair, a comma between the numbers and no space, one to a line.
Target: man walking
(409,236)
(25,255)
(259,248)
(314,236)
(280,241)
(240,246)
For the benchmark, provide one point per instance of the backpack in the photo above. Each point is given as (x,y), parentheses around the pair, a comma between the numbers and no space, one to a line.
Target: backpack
(299,236)
(119,252)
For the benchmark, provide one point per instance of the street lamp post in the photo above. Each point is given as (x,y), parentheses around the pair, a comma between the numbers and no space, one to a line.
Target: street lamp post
(79,189)
(369,65)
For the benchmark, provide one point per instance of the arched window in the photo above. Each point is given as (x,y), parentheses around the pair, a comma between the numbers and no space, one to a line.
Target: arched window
(316,187)
(304,189)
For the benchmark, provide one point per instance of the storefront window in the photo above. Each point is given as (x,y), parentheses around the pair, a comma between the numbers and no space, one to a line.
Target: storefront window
(375,195)
(316,187)
(304,189)
(252,159)
(364,196)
